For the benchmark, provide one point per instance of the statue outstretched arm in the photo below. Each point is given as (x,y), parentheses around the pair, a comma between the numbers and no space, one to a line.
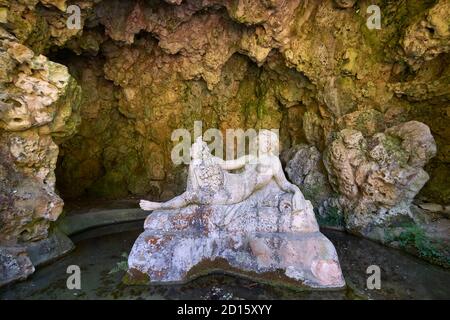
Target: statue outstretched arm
(178,202)
(234,164)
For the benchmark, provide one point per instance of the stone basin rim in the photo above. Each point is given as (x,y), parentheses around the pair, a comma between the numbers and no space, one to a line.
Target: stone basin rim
(246,275)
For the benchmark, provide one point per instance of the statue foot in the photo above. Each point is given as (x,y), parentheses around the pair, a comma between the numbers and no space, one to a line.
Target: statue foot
(149,206)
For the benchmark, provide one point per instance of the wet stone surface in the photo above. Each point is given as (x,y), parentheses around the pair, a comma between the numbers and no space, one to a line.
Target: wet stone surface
(99,251)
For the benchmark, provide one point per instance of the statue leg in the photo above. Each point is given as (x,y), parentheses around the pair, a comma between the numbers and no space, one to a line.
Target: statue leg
(178,202)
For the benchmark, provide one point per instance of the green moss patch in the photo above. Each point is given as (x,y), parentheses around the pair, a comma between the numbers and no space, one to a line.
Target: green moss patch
(414,239)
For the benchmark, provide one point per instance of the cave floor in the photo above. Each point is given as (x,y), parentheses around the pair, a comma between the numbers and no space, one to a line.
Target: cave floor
(98,252)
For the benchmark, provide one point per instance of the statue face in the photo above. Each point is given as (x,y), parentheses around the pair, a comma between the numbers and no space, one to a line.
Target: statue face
(197,149)
(268,142)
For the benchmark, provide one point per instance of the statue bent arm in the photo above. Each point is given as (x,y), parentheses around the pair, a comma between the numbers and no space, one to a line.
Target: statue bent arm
(298,200)
(234,164)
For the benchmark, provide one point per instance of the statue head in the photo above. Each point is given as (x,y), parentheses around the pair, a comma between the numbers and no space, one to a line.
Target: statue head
(268,142)
(200,150)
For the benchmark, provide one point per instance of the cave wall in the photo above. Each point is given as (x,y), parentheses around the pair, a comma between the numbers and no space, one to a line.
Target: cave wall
(344,76)
(124,144)
(311,68)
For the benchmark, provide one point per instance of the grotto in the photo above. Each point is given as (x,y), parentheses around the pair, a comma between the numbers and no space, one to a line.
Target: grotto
(87,116)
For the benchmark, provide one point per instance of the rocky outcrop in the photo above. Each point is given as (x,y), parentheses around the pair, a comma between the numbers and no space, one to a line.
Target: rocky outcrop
(42,24)
(14,265)
(304,167)
(379,177)
(429,36)
(38,106)
(374,182)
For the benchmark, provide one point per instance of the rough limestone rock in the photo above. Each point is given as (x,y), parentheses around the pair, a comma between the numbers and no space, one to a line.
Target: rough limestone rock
(428,37)
(305,168)
(260,237)
(14,265)
(49,249)
(345,3)
(41,24)
(378,178)
(374,179)
(38,107)
(39,104)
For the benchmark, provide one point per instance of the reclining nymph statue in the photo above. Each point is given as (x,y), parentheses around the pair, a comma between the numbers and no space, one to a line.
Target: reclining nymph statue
(240,216)
(210,182)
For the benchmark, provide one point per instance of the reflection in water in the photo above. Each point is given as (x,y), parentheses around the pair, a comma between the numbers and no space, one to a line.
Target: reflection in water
(98,252)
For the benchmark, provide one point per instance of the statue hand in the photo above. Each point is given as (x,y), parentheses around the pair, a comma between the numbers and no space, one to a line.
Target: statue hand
(298,201)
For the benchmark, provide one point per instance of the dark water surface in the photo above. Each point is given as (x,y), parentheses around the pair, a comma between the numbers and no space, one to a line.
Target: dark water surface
(98,252)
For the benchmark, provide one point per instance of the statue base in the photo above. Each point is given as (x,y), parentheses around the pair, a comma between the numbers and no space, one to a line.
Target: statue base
(259,238)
